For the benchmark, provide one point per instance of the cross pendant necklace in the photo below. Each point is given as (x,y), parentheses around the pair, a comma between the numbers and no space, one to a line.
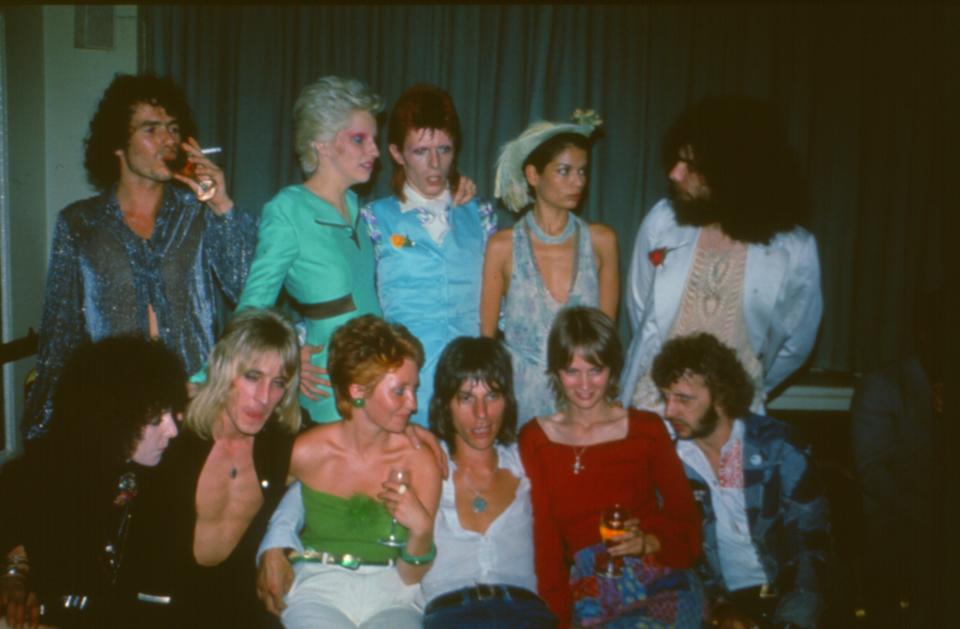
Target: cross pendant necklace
(578,466)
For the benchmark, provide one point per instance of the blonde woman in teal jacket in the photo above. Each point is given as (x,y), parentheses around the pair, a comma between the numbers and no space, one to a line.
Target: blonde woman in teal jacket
(311,240)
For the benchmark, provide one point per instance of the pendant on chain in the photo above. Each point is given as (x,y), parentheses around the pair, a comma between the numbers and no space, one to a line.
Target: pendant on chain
(479,504)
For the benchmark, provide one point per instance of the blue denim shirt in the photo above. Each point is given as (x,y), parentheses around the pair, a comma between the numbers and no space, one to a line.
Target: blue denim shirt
(102,276)
(788,516)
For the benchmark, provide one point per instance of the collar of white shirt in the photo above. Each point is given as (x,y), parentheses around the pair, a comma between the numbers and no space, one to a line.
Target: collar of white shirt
(433,213)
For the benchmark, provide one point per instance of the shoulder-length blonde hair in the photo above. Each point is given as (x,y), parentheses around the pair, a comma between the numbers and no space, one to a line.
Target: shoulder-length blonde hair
(249,335)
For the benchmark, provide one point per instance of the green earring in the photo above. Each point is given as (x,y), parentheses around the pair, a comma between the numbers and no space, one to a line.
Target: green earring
(357,402)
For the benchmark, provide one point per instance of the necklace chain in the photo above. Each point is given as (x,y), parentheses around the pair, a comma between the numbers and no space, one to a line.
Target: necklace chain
(578,466)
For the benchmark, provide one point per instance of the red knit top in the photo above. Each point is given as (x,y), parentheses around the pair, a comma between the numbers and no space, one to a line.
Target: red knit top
(632,472)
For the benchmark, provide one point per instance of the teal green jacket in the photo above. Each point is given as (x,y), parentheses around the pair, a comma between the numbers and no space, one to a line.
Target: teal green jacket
(305,247)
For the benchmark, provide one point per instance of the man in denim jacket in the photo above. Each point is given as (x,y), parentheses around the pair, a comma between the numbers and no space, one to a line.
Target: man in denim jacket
(765,526)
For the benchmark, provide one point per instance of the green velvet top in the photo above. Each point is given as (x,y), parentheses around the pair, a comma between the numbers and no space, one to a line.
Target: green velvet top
(347,525)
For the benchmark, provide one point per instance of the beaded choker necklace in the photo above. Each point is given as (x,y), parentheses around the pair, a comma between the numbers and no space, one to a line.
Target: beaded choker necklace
(542,236)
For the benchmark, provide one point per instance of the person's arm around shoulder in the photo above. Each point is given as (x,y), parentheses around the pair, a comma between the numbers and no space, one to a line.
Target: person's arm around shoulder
(416,510)
(607,254)
(497,262)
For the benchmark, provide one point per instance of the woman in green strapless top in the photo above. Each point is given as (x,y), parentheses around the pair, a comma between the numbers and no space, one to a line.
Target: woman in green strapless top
(347,576)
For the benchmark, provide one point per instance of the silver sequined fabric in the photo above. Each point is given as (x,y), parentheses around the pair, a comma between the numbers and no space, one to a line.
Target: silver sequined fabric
(102,276)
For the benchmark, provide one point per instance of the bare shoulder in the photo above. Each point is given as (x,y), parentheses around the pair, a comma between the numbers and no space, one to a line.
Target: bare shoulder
(602,235)
(422,460)
(500,242)
(312,443)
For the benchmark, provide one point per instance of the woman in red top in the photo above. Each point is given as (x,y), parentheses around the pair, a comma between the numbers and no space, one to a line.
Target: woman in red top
(593,454)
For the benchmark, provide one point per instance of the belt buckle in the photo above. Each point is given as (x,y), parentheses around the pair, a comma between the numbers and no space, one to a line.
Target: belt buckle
(768,591)
(349,562)
(485,591)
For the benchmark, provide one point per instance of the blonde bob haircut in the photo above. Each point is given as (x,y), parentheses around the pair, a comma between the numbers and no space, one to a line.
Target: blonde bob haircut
(249,335)
(323,109)
(362,351)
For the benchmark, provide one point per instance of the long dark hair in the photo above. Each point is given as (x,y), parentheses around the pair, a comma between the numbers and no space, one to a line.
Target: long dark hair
(108,391)
(468,358)
(740,146)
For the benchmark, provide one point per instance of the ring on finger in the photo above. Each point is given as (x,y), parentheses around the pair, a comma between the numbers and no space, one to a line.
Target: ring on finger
(402,489)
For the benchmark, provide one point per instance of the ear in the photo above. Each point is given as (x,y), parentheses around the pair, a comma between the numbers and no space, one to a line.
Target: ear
(323,148)
(397,155)
(357,391)
(530,172)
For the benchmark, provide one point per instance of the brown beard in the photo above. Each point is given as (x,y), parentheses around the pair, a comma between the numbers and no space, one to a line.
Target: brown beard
(693,212)
(708,424)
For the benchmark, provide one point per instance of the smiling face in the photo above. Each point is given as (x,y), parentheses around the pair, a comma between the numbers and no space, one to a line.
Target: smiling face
(584,384)
(392,400)
(562,181)
(154,142)
(154,439)
(426,158)
(352,153)
(477,413)
(254,395)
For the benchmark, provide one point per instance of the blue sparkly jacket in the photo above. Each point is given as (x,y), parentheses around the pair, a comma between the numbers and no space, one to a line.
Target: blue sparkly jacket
(102,276)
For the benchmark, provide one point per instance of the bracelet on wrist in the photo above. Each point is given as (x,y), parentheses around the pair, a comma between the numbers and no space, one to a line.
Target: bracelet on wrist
(419,560)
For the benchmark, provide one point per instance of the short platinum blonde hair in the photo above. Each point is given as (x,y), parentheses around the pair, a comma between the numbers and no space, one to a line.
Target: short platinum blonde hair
(247,338)
(323,109)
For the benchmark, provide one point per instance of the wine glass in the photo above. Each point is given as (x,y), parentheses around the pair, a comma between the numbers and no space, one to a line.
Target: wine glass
(401,476)
(613,526)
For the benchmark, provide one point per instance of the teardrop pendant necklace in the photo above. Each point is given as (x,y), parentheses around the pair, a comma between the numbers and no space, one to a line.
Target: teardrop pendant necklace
(479,503)
(577,465)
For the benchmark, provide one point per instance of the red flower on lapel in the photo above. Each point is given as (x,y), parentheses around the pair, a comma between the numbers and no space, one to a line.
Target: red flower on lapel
(657,256)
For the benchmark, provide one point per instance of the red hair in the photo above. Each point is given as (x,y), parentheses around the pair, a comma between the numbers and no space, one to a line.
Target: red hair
(423,106)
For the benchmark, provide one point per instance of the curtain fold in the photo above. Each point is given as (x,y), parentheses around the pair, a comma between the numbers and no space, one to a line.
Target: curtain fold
(859,85)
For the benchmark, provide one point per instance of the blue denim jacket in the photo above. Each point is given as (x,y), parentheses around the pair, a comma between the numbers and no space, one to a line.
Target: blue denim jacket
(788,516)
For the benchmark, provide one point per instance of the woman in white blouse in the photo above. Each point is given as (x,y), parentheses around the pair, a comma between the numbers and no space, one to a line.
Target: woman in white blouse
(483,575)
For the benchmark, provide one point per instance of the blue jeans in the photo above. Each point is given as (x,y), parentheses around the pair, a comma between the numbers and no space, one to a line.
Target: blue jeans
(502,612)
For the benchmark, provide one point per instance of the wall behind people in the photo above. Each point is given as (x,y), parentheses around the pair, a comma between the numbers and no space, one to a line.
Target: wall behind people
(860,86)
(52,88)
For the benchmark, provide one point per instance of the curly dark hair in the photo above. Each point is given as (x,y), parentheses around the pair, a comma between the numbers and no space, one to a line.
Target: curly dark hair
(108,391)
(423,106)
(740,146)
(110,126)
(363,350)
(475,359)
(703,354)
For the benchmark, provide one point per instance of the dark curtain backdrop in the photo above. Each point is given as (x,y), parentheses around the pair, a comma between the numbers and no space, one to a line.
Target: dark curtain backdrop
(862,87)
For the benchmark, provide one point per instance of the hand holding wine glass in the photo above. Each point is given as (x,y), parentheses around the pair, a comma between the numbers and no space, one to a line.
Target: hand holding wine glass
(613,529)
(400,477)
